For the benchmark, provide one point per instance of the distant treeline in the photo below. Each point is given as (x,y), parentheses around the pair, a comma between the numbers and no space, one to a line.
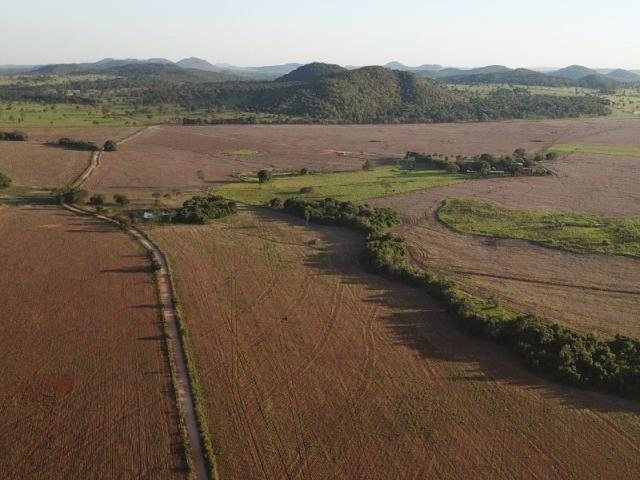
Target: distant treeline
(365,95)
(582,360)
(14,136)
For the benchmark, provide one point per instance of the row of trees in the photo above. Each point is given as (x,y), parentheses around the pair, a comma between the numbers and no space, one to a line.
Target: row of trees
(73,144)
(14,136)
(581,360)
(518,163)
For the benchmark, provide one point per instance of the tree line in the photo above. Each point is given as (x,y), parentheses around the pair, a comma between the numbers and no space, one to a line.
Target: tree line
(14,136)
(581,360)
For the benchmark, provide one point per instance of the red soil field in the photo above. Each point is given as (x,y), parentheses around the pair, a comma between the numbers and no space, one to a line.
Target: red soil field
(314,369)
(586,292)
(168,157)
(85,390)
(34,165)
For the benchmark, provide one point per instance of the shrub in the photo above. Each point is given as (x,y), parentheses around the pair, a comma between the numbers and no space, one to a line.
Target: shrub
(72,195)
(121,199)
(97,200)
(264,176)
(367,165)
(110,146)
(304,171)
(5,181)
(305,190)
(276,202)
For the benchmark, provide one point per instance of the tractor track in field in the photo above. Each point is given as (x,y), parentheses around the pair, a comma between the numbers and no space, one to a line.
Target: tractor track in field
(182,383)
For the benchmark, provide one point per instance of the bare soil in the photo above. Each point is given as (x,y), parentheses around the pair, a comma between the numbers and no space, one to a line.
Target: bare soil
(315,369)
(85,390)
(39,166)
(168,157)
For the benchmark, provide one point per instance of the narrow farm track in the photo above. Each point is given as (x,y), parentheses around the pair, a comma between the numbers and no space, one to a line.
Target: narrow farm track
(182,385)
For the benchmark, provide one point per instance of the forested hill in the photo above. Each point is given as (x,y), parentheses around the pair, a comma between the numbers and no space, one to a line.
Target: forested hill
(320,94)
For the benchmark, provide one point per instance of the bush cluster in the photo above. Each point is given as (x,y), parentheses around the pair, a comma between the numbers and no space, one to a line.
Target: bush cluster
(581,360)
(201,209)
(329,211)
(519,163)
(14,136)
(78,144)
(5,181)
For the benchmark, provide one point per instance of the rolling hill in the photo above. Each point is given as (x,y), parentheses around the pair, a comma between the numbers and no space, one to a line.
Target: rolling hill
(311,72)
(574,72)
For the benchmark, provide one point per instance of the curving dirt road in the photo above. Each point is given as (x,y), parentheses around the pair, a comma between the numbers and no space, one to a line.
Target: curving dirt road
(165,292)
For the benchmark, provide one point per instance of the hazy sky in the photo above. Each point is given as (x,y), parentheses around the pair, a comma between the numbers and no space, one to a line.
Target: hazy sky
(359,32)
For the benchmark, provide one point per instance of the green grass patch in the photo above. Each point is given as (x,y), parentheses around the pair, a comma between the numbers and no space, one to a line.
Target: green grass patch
(350,185)
(573,232)
(242,152)
(597,149)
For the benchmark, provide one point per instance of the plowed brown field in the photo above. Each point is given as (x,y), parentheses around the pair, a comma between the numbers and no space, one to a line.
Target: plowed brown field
(85,391)
(314,369)
(167,157)
(35,165)
(587,292)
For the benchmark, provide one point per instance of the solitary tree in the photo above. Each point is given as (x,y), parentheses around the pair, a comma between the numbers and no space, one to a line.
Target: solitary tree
(97,200)
(367,165)
(5,181)
(264,176)
(110,146)
(121,199)
(200,175)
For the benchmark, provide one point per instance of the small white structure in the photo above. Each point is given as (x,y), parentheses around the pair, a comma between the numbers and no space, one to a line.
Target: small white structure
(147,215)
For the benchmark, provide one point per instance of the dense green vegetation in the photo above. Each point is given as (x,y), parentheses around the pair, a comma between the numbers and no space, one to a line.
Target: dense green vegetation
(585,361)
(348,185)
(78,144)
(323,94)
(330,211)
(519,163)
(573,232)
(201,209)
(13,136)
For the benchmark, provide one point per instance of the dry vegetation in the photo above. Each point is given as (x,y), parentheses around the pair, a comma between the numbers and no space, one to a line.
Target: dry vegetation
(314,369)
(85,390)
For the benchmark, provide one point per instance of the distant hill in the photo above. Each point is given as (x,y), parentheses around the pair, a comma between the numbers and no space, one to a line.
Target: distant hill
(103,65)
(574,72)
(402,67)
(198,64)
(519,76)
(623,76)
(311,71)
(170,72)
(598,82)
(460,72)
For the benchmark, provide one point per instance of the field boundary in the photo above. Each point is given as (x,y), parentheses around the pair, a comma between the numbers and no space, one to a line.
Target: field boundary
(182,373)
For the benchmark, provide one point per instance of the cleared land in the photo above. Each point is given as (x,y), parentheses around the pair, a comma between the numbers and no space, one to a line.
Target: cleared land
(314,369)
(165,158)
(586,292)
(35,165)
(85,390)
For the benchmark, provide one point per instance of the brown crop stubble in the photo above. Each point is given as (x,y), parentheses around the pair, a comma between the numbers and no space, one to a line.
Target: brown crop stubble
(35,165)
(313,369)
(85,391)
